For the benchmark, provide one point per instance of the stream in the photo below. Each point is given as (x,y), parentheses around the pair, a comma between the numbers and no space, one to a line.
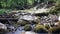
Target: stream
(43,20)
(18,31)
(30,17)
(21,30)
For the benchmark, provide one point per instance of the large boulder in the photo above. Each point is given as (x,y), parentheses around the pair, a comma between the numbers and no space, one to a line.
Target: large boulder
(28,17)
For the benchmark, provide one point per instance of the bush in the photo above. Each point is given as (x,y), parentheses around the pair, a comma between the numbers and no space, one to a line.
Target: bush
(55,9)
(2,11)
(51,1)
(27,28)
(40,29)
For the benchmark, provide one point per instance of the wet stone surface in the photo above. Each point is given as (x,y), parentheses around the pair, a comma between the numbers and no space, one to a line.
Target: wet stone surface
(49,19)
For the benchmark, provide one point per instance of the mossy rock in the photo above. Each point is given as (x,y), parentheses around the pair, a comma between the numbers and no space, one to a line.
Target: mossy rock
(22,23)
(37,21)
(59,23)
(47,26)
(40,29)
(27,27)
(54,30)
(2,31)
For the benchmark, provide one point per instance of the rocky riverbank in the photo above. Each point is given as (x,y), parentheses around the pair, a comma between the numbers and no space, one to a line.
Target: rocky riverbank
(33,20)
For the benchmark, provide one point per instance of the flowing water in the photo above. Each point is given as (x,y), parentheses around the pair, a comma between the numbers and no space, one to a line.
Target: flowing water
(21,30)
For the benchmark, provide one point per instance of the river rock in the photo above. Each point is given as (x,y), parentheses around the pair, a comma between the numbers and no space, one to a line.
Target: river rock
(2,26)
(28,32)
(49,19)
(27,17)
(59,18)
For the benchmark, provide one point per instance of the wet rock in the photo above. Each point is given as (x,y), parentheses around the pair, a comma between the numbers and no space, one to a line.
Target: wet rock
(24,16)
(39,28)
(59,18)
(28,17)
(28,32)
(49,19)
(11,28)
(23,22)
(2,31)
(47,24)
(2,26)
(27,28)
(56,24)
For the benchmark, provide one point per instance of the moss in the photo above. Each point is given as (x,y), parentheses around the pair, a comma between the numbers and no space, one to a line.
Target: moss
(40,29)
(2,31)
(54,30)
(27,28)
(22,23)
(36,21)
(2,11)
(59,23)
(47,27)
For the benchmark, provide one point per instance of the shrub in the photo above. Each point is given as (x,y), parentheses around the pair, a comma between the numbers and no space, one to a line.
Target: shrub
(2,11)
(27,27)
(40,29)
(51,1)
(55,9)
